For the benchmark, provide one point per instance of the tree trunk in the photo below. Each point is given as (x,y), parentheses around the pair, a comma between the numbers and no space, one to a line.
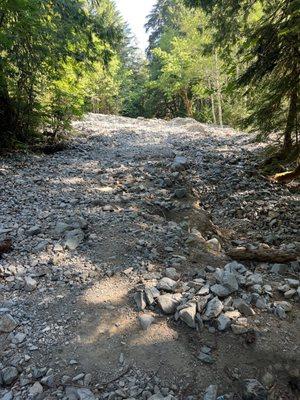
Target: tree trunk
(219,92)
(187,103)
(213,108)
(7,115)
(291,120)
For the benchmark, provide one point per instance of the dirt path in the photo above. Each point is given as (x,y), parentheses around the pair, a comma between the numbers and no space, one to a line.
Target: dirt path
(96,227)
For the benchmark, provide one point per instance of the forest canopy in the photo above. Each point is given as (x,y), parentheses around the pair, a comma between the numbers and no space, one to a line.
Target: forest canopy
(223,62)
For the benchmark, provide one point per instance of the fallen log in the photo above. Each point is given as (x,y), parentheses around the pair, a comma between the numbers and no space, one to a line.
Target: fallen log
(263,254)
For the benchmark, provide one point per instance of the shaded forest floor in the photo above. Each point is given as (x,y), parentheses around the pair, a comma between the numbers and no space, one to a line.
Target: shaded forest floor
(96,227)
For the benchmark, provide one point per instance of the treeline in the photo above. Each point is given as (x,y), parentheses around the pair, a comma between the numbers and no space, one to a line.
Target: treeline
(59,59)
(233,62)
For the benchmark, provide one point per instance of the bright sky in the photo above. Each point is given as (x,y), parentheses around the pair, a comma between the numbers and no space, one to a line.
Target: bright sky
(135,12)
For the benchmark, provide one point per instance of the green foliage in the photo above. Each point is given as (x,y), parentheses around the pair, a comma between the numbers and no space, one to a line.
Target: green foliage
(261,40)
(48,53)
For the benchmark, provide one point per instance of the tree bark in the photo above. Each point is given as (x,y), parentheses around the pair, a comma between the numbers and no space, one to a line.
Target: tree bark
(263,255)
(187,103)
(291,120)
(7,115)
(213,108)
(219,92)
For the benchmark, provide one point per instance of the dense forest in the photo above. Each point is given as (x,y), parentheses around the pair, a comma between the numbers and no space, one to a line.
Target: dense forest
(229,62)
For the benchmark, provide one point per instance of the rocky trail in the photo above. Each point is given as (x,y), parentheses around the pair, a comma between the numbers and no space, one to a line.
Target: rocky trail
(115,279)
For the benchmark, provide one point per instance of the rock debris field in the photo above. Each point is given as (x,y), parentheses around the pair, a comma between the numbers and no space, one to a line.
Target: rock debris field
(115,278)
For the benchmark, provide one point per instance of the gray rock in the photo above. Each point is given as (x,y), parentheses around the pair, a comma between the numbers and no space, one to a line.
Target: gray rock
(205,358)
(290,293)
(9,375)
(7,323)
(85,394)
(293,283)
(172,274)
(220,290)
(202,302)
(279,269)
(61,228)
(35,230)
(254,279)
(213,309)
(211,393)
(30,283)
(36,389)
(74,238)
(254,390)
(169,302)
(230,282)
(166,284)
(145,321)
(245,309)
(223,322)
(188,315)
(179,164)
(140,300)
(235,267)
(180,193)
(151,294)
(7,396)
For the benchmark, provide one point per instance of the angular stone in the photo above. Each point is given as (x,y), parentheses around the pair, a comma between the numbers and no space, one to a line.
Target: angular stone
(188,315)
(290,293)
(223,322)
(235,314)
(30,284)
(9,375)
(204,291)
(169,302)
(254,279)
(166,284)
(36,389)
(245,309)
(61,228)
(230,282)
(205,358)
(34,230)
(279,269)
(214,245)
(213,309)
(146,321)
(74,238)
(293,283)
(220,290)
(179,164)
(7,323)
(211,393)
(172,274)
(201,303)
(140,300)
(85,394)
(254,390)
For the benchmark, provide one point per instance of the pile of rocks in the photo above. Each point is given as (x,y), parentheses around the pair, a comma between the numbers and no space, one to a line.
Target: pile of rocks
(220,298)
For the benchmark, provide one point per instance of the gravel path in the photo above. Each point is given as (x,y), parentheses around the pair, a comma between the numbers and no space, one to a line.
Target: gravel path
(114,279)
